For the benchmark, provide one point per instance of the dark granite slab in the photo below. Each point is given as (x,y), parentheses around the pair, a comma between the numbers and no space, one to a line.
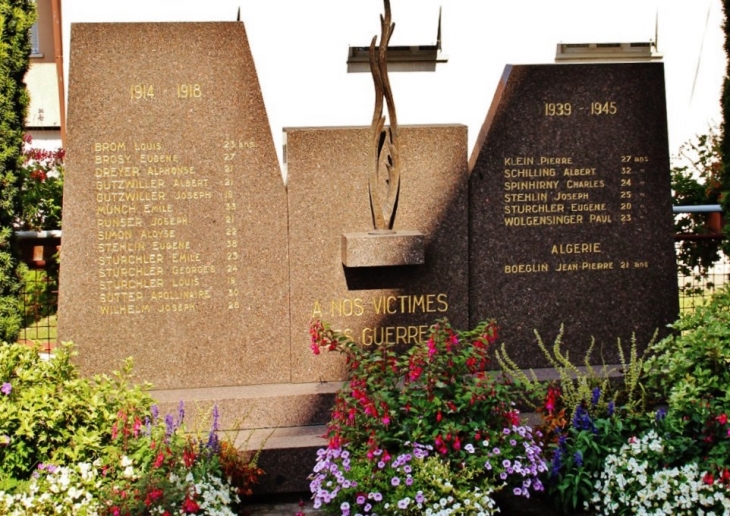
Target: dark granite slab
(570,209)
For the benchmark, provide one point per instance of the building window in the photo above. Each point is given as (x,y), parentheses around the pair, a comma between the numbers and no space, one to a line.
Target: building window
(35,48)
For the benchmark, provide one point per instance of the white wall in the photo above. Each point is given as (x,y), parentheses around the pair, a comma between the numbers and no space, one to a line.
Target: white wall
(300,50)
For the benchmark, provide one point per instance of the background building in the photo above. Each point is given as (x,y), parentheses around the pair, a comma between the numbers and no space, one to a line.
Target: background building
(301,49)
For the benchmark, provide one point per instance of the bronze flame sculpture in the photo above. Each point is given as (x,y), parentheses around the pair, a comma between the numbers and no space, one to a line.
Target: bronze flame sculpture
(384,178)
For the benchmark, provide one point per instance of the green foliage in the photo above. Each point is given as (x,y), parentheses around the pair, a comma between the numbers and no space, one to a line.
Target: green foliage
(411,483)
(694,363)
(696,180)
(41,188)
(152,465)
(434,400)
(584,417)
(16,19)
(51,415)
(686,443)
(725,138)
(39,295)
(691,371)
(577,386)
(445,390)
(580,450)
(636,479)
(98,445)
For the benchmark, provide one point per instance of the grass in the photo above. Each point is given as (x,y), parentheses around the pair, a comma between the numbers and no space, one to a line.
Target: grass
(43,332)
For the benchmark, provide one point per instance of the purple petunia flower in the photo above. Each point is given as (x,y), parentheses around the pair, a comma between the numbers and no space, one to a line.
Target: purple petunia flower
(6,388)
(360,500)
(395,481)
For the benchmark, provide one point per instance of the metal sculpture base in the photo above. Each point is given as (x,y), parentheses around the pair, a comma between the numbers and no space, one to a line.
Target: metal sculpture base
(383,248)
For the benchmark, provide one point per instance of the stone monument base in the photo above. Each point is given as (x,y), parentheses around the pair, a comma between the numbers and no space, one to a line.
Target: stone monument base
(383,248)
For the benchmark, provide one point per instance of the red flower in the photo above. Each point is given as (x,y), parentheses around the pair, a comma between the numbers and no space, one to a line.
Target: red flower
(431,348)
(708,479)
(190,506)
(438,416)
(159,460)
(722,419)
(39,175)
(440,446)
(551,398)
(513,417)
(188,457)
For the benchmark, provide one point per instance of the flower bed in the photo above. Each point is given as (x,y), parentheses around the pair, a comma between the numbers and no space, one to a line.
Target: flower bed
(70,445)
(429,431)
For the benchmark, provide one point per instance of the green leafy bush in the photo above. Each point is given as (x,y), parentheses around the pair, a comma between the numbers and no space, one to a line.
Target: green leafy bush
(691,371)
(645,458)
(48,414)
(72,445)
(16,19)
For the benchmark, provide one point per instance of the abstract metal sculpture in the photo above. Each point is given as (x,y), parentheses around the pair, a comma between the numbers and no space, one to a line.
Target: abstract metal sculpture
(384,178)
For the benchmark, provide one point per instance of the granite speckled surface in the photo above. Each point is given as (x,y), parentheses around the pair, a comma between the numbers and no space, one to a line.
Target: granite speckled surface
(378,249)
(175,226)
(570,209)
(328,196)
